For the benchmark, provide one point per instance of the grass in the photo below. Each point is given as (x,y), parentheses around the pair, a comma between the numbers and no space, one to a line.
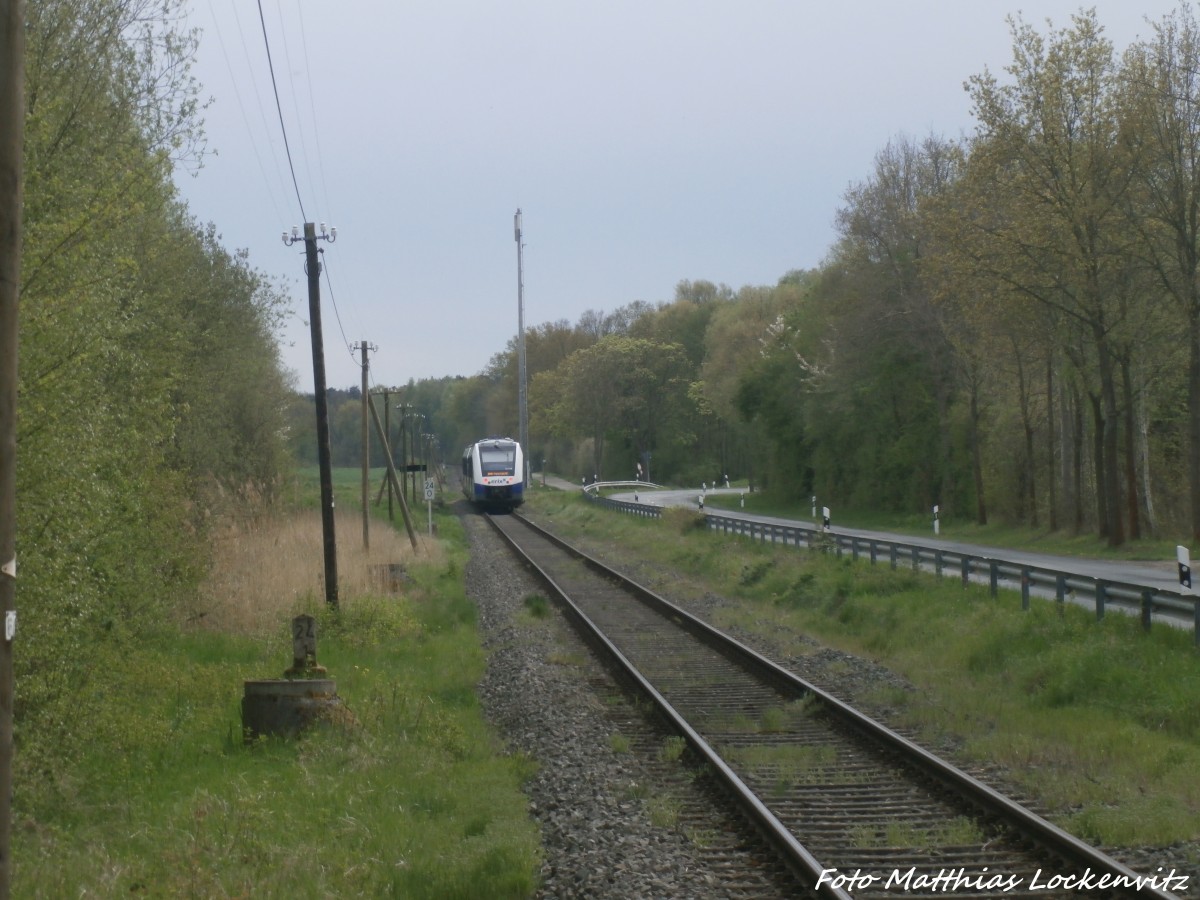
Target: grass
(537,606)
(407,797)
(672,748)
(618,743)
(1099,720)
(664,812)
(995,534)
(790,763)
(958,831)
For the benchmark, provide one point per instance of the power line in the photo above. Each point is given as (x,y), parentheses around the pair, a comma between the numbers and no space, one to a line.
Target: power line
(329,211)
(305,156)
(279,109)
(234,80)
(336,314)
(291,164)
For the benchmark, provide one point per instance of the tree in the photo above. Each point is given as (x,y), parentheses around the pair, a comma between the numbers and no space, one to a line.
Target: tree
(1047,155)
(866,356)
(1161,94)
(770,395)
(683,322)
(625,388)
(883,252)
(148,364)
(732,342)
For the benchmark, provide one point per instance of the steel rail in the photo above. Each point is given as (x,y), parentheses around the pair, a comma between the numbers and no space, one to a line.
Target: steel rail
(795,854)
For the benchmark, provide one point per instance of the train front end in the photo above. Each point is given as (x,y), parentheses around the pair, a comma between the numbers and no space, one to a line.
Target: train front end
(497,474)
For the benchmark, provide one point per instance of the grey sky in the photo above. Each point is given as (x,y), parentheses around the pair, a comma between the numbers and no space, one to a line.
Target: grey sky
(646,141)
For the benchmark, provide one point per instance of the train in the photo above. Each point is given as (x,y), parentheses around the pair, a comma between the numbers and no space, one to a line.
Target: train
(493,474)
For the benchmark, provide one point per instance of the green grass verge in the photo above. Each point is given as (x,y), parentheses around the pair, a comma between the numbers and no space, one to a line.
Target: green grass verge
(1097,719)
(411,799)
(1060,542)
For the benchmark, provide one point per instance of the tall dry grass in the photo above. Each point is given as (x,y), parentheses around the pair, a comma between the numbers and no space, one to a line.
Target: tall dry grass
(270,568)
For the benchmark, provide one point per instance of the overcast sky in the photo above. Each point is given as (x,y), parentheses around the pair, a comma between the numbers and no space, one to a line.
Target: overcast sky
(646,142)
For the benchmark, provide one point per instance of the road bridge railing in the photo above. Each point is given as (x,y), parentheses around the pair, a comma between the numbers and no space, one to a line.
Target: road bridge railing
(1029,579)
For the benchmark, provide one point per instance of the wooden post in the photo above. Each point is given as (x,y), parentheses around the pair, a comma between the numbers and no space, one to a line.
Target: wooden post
(366,451)
(312,265)
(387,453)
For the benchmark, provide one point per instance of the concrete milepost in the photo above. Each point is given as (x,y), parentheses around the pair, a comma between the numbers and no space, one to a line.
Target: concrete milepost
(286,707)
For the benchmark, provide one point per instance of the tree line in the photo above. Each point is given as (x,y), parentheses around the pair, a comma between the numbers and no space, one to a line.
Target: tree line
(1008,324)
(150,390)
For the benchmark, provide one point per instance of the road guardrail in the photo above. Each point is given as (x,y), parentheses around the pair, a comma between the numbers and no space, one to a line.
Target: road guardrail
(969,567)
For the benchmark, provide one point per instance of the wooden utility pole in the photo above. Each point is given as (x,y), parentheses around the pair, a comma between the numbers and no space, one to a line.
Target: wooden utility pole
(12,136)
(387,436)
(386,393)
(312,267)
(387,452)
(366,347)
(404,409)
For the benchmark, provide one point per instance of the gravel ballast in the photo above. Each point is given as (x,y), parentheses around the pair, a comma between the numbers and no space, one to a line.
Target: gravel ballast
(543,692)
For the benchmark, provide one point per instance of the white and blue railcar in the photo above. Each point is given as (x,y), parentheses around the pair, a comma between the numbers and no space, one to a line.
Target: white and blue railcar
(493,473)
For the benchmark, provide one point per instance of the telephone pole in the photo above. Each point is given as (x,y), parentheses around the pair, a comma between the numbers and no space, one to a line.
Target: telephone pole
(366,444)
(386,393)
(312,268)
(404,409)
(12,133)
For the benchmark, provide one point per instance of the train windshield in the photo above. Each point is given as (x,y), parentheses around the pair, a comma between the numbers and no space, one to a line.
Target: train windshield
(498,459)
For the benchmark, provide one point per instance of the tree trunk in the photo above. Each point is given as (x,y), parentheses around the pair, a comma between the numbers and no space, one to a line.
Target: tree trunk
(944,489)
(1077,457)
(1029,463)
(1144,455)
(976,459)
(1194,417)
(1112,434)
(1051,488)
(1098,452)
(597,455)
(1131,500)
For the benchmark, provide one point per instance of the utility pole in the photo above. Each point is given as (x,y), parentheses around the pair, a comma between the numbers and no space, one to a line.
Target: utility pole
(522,399)
(312,267)
(12,135)
(366,443)
(391,469)
(387,432)
(413,450)
(408,449)
(403,409)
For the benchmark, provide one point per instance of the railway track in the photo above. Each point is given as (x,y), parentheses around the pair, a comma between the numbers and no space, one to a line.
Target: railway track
(852,808)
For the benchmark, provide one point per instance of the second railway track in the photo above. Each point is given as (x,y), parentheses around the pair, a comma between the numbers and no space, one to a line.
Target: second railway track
(853,809)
